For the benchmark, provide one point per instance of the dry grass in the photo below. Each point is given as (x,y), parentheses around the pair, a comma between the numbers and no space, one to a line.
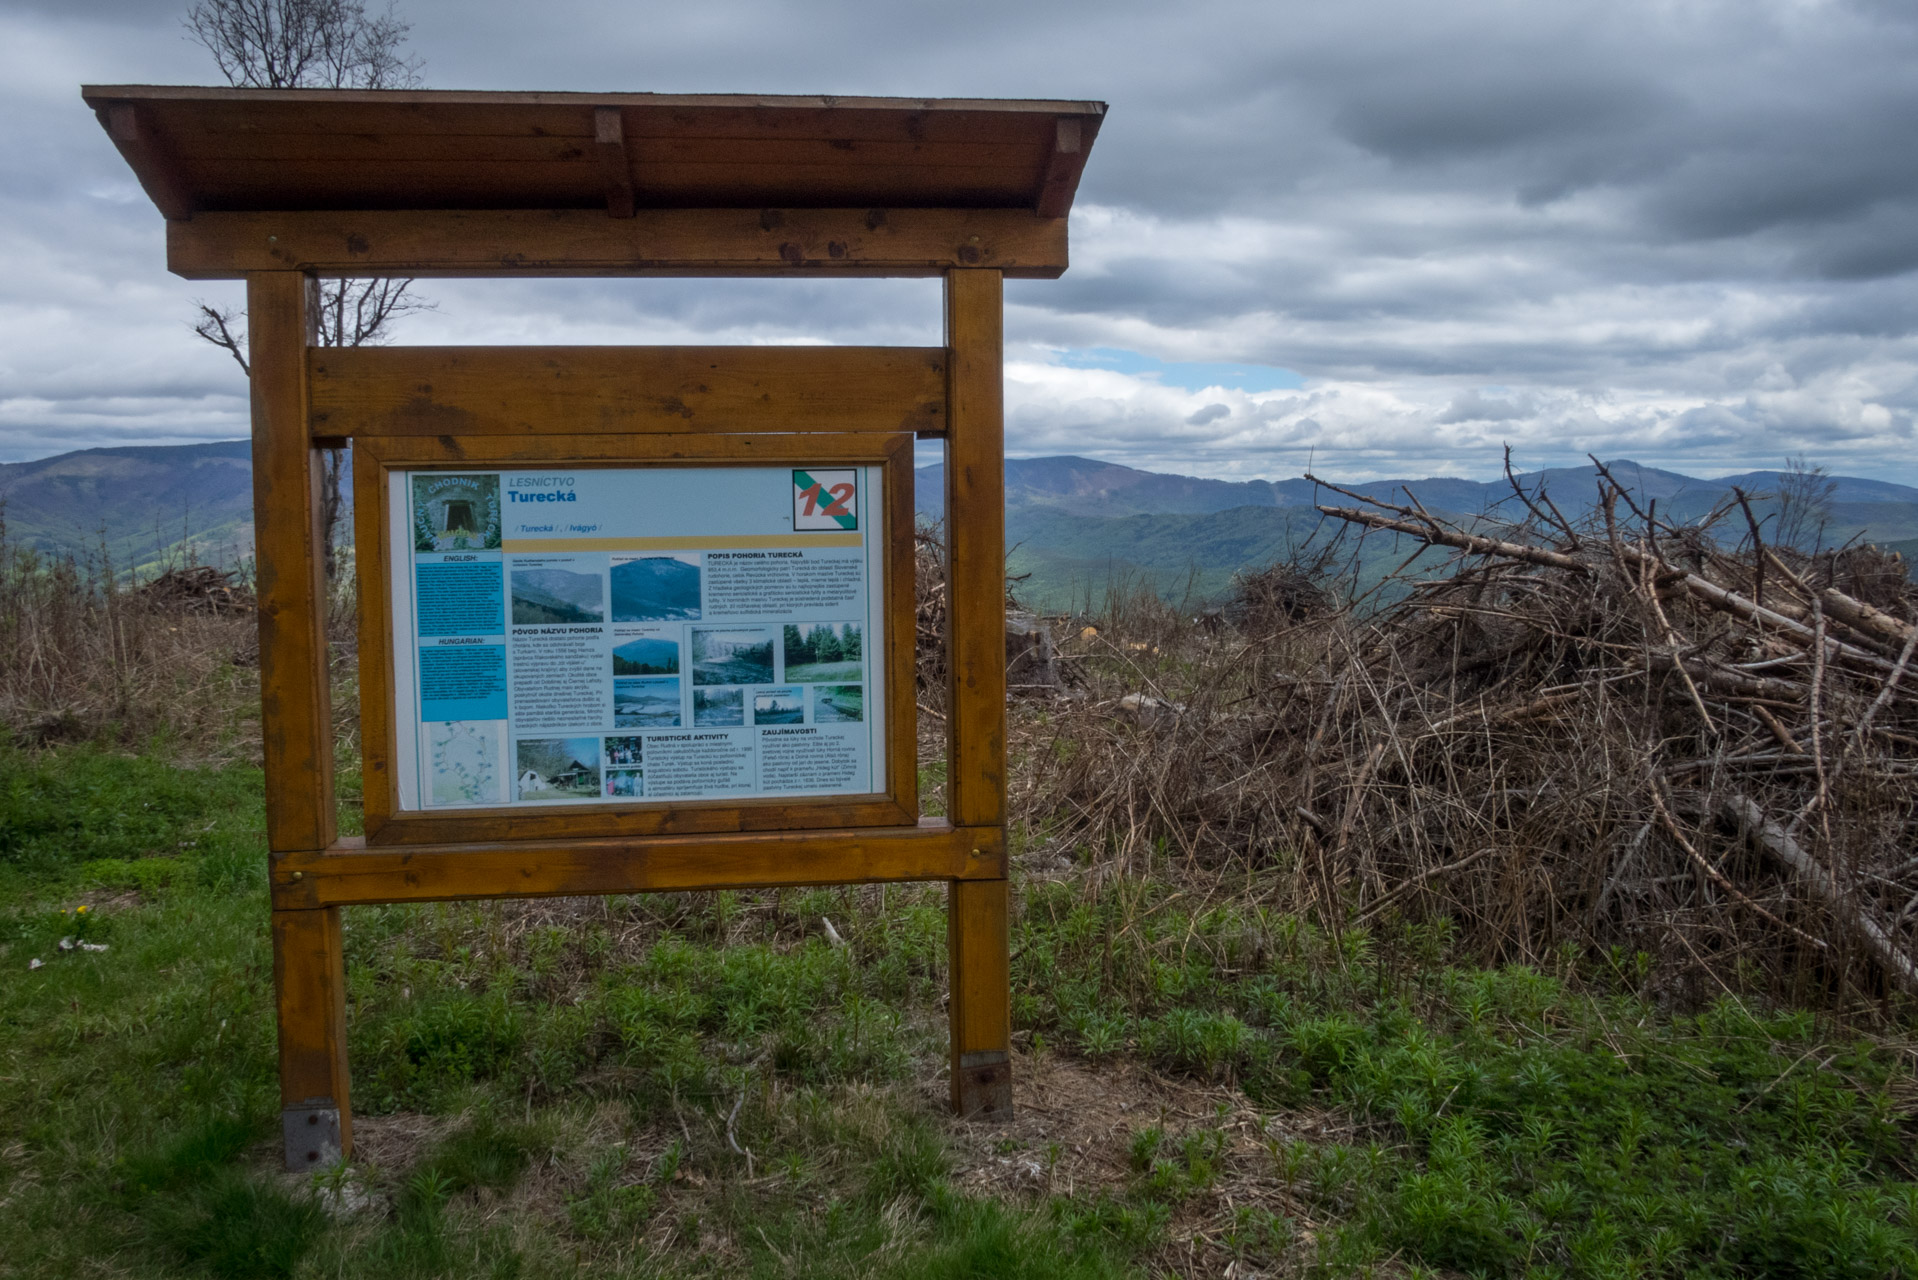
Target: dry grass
(1210,1081)
(169,661)
(1077,1134)
(1615,737)
(1584,736)
(84,656)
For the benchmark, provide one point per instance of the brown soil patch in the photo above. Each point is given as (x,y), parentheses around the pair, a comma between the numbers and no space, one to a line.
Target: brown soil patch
(397,1141)
(1073,1131)
(106,900)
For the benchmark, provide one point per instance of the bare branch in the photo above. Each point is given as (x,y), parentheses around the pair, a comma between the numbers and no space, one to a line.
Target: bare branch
(1462,541)
(360,313)
(331,44)
(1531,505)
(217,327)
(295,44)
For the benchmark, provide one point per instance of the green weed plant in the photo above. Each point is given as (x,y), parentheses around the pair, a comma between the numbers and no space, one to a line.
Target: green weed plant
(701,1085)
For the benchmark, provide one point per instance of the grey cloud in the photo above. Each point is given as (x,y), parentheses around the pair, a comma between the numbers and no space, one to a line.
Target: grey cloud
(165,13)
(1519,109)
(1210,413)
(1681,228)
(1471,406)
(876,312)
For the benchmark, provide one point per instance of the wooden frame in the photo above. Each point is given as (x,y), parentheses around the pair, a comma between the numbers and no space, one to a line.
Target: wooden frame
(977,910)
(280,187)
(349,873)
(374,456)
(654,242)
(519,391)
(200,151)
(306,399)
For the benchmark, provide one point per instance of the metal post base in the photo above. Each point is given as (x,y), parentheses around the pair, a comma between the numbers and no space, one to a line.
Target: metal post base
(985,1085)
(312,1134)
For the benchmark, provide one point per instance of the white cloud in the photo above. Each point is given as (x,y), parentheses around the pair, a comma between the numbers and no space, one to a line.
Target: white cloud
(1681,233)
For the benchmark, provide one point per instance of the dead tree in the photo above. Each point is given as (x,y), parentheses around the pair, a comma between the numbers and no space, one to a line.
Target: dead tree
(331,44)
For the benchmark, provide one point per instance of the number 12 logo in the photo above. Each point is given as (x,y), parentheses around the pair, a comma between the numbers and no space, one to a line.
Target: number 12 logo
(825,500)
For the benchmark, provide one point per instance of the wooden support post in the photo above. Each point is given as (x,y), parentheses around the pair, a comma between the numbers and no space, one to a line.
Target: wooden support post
(296,712)
(309,982)
(980,1013)
(980,968)
(296,708)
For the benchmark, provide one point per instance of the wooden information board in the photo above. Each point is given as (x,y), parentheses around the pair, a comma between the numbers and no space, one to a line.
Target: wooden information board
(605,592)
(669,614)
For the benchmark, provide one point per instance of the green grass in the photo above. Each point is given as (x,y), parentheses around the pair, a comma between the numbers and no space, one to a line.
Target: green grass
(138,1111)
(1509,1121)
(547,1091)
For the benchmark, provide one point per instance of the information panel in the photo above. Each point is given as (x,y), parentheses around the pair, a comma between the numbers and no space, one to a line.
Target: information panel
(573,636)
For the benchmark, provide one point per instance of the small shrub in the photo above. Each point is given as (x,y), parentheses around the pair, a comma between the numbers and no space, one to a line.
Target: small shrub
(608,1208)
(455,1039)
(235,1225)
(985,1240)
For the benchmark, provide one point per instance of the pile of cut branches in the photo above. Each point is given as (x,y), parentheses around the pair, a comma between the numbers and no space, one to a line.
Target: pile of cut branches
(197,589)
(1678,739)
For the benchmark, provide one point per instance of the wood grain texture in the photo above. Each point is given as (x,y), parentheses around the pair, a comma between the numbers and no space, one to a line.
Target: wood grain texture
(1072,140)
(980,1008)
(688,449)
(525,391)
(976,549)
(252,148)
(357,123)
(862,241)
(387,826)
(351,873)
(372,541)
(902,629)
(309,983)
(395,828)
(579,184)
(295,703)
(151,157)
(979,973)
(616,169)
(684,114)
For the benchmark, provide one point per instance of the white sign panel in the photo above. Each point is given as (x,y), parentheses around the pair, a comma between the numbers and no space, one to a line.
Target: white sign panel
(571,636)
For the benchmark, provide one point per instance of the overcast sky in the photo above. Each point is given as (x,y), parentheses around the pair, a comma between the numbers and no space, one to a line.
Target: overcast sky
(1378,237)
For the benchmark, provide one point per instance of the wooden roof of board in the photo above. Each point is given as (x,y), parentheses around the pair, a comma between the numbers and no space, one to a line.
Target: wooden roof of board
(204,150)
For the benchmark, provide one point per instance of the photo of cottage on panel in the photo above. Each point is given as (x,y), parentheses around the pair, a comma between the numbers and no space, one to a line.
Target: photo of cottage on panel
(557,769)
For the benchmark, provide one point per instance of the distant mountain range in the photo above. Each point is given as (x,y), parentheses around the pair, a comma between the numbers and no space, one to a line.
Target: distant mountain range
(1086,487)
(136,502)
(1076,525)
